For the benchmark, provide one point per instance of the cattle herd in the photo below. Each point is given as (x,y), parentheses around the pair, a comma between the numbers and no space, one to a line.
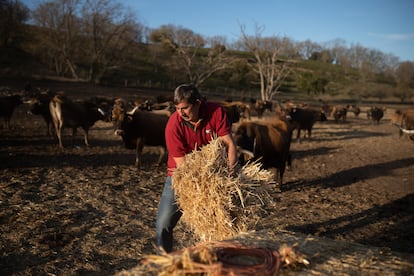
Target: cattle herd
(262,129)
(71,208)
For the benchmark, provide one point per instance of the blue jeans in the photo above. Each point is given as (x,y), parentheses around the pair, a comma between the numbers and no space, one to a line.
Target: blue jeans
(167,218)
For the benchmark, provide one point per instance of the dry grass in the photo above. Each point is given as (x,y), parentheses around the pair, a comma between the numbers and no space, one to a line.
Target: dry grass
(211,258)
(189,261)
(215,205)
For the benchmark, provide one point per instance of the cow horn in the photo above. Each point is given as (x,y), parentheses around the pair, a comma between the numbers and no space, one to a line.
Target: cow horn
(247,152)
(254,145)
(132,111)
(407,131)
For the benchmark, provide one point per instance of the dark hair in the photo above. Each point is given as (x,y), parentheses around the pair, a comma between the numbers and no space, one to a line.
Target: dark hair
(186,92)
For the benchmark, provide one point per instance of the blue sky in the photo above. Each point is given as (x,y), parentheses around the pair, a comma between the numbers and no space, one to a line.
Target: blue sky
(384,25)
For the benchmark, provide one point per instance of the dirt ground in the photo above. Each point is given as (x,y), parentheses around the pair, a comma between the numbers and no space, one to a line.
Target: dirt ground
(89,211)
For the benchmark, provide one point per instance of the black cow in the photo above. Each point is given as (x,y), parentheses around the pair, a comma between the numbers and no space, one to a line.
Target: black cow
(139,129)
(375,114)
(305,119)
(7,106)
(105,104)
(39,105)
(70,114)
(261,106)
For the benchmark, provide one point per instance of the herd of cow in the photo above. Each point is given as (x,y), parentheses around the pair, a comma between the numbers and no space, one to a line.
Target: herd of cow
(267,138)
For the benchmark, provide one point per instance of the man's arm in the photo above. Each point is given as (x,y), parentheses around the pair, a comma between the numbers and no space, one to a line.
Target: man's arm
(231,149)
(179,161)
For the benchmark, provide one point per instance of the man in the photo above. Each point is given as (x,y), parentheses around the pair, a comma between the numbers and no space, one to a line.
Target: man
(194,124)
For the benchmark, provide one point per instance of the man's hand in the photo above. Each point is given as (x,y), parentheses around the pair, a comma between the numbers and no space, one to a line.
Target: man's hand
(235,170)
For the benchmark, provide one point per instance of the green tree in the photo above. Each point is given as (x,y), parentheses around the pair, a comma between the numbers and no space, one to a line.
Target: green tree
(13,15)
(405,81)
(312,84)
(405,74)
(324,56)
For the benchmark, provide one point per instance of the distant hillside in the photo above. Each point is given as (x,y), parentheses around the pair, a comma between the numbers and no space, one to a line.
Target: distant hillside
(18,63)
(344,84)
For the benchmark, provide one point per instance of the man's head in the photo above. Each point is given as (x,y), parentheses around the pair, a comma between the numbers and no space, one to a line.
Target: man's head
(187,101)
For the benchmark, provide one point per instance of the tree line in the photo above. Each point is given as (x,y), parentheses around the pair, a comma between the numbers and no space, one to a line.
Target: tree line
(102,41)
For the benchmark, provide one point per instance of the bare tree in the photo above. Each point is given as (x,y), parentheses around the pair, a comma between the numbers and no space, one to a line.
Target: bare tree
(189,54)
(57,40)
(307,48)
(337,49)
(85,37)
(268,64)
(109,30)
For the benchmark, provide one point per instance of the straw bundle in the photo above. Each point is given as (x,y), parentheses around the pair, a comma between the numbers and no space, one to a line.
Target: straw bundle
(216,206)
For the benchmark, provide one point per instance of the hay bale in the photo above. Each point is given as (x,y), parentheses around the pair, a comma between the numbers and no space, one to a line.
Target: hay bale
(216,206)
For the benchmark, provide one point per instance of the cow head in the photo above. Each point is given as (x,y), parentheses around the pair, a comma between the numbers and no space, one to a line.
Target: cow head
(396,118)
(322,117)
(105,105)
(39,102)
(118,117)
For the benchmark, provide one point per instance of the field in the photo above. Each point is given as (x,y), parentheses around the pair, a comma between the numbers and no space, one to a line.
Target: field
(89,211)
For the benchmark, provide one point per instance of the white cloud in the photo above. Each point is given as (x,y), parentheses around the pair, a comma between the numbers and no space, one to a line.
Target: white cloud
(399,37)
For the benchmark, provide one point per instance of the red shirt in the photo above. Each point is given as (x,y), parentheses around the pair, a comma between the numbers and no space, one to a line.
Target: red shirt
(182,138)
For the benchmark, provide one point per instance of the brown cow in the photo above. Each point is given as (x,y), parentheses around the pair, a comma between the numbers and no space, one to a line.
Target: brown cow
(233,112)
(236,111)
(267,140)
(339,113)
(354,109)
(305,119)
(138,129)
(326,107)
(66,113)
(7,107)
(404,120)
(244,109)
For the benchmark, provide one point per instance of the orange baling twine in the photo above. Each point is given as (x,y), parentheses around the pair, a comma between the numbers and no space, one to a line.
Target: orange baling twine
(266,261)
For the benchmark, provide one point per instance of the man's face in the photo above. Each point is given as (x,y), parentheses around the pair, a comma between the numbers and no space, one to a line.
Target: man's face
(187,111)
